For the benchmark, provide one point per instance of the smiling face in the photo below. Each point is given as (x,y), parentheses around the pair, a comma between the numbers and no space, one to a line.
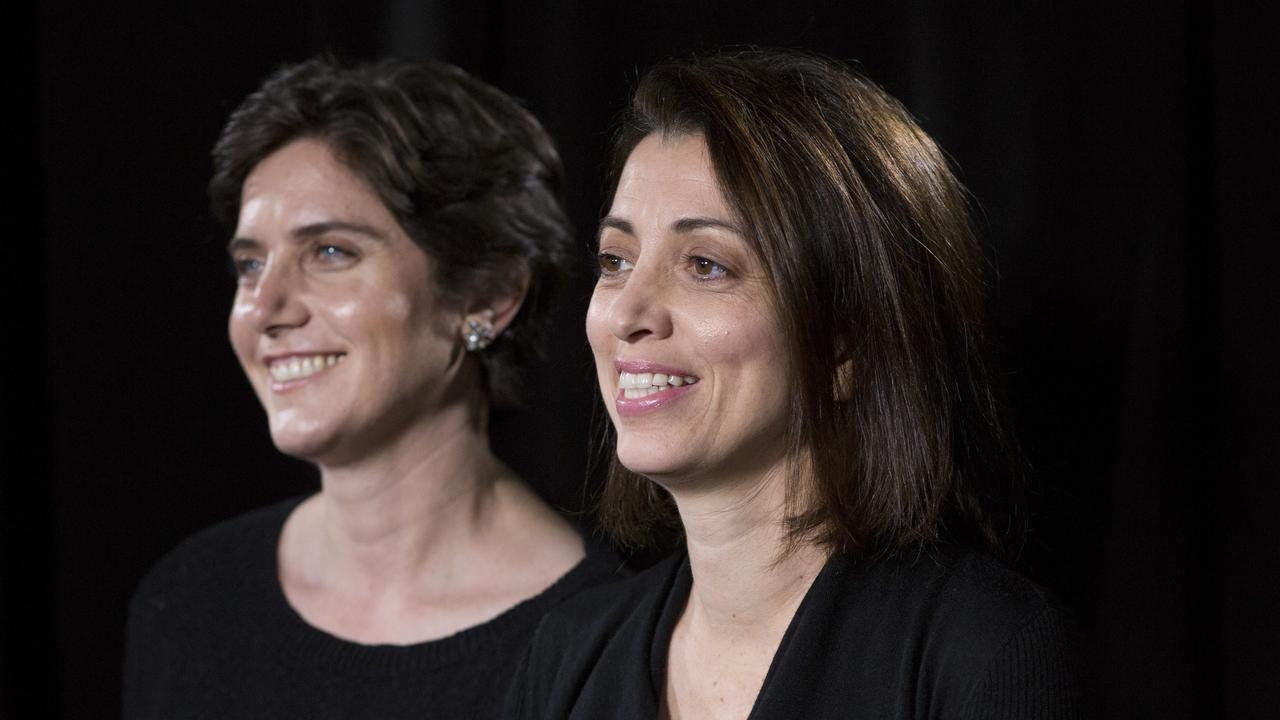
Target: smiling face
(683,326)
(334,321)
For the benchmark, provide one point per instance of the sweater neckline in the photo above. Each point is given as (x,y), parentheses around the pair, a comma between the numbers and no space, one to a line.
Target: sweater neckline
(675,596)
(292,634)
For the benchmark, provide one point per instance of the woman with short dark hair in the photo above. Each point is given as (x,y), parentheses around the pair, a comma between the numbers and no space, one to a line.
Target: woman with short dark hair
(789,338)
(398,236)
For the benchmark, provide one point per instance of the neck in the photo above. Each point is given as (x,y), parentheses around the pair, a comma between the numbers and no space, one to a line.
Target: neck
(410,509)
(743,583)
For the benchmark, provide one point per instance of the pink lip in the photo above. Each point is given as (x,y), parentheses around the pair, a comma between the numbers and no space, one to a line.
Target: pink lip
(645,366)
(632,407)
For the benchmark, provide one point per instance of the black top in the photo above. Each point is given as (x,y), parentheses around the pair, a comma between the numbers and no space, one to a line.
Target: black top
(211,635)
(946,633)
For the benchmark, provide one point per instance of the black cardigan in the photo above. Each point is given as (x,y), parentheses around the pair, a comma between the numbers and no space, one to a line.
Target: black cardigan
(211,635)
(946,633)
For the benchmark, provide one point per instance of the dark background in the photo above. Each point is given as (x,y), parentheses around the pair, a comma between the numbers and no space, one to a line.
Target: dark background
(1122,157)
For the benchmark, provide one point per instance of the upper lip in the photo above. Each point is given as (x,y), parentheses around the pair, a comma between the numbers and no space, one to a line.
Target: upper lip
(648,366)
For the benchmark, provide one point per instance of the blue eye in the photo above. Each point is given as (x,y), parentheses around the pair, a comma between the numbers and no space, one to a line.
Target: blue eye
(331,252)
(242,267)
(332,257)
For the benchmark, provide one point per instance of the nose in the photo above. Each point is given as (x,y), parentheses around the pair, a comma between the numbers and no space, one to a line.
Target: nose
(273,303)
(640,309)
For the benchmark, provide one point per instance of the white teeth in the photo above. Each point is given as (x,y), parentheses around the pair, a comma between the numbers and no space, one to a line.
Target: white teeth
(295,368)
(635,385)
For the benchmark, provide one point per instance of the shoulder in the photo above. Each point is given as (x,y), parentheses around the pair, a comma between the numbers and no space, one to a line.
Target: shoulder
(189,609)
(983,637)
(600,610)
(604,627)
(958,598)
(214,561)
(598,566)
(937,582)
(962,583)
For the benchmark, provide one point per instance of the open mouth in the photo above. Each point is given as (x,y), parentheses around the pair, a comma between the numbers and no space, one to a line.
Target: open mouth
(297,367)
(638,385)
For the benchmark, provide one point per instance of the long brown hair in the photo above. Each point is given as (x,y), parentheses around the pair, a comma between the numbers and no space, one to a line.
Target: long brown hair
(878,278)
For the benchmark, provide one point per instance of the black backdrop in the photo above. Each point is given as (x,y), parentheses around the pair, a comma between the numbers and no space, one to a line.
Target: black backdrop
(1121,155)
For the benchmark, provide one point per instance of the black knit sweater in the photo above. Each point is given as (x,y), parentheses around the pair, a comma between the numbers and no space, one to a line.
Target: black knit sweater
(947,633)
(211,635)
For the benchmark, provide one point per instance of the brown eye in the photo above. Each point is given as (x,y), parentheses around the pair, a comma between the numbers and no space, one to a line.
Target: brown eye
(611,264)
(707,269)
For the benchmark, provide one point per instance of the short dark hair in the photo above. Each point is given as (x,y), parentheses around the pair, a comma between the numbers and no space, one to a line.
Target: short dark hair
(878,279)
(469,174)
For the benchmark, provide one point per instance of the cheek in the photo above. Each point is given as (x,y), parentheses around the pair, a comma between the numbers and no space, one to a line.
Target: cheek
(384,315)
(727,336)
(360,315)
(597,329)
(240,329)
(602,348)
(399,307)
(745,348)
(345,311)
(718,335)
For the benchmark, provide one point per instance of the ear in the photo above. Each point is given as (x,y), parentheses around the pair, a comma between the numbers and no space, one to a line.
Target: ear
(498,310)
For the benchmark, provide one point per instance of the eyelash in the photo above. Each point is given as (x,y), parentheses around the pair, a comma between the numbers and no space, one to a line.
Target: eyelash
(321,251)
(246,266)
(605,257)
(695,262)
(239,266)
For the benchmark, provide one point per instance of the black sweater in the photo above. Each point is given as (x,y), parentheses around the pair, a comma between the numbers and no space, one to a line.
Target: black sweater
(211,635)
(947,633)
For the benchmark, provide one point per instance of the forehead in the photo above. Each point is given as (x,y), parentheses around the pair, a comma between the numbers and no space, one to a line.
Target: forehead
(670,175)
(303,183)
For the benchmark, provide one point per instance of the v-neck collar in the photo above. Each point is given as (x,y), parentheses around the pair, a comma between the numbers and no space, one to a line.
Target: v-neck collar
(769,703)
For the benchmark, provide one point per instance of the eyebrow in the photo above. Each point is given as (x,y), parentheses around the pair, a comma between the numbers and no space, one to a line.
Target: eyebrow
(682,226)
(329,226)
(688,225)
(609,221)
(314,230)
(241,243)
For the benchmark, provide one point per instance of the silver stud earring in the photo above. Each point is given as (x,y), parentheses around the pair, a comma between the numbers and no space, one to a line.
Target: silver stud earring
(478,335)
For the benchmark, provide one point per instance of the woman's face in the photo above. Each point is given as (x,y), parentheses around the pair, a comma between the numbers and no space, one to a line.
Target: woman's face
(683,326)
(334,321)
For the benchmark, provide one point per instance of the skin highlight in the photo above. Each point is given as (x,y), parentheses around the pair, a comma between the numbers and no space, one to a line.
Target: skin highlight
(419,531)
(687,295)
(679,286)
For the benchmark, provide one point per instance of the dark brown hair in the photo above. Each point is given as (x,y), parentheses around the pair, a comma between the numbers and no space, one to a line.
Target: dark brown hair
(878,281)
(471,177)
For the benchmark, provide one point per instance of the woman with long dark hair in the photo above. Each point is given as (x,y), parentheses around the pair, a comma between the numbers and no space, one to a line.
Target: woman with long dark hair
(789,338)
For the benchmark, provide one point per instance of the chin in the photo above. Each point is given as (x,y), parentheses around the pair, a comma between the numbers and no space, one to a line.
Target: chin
(304,443)
(656,463)
(299,449)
